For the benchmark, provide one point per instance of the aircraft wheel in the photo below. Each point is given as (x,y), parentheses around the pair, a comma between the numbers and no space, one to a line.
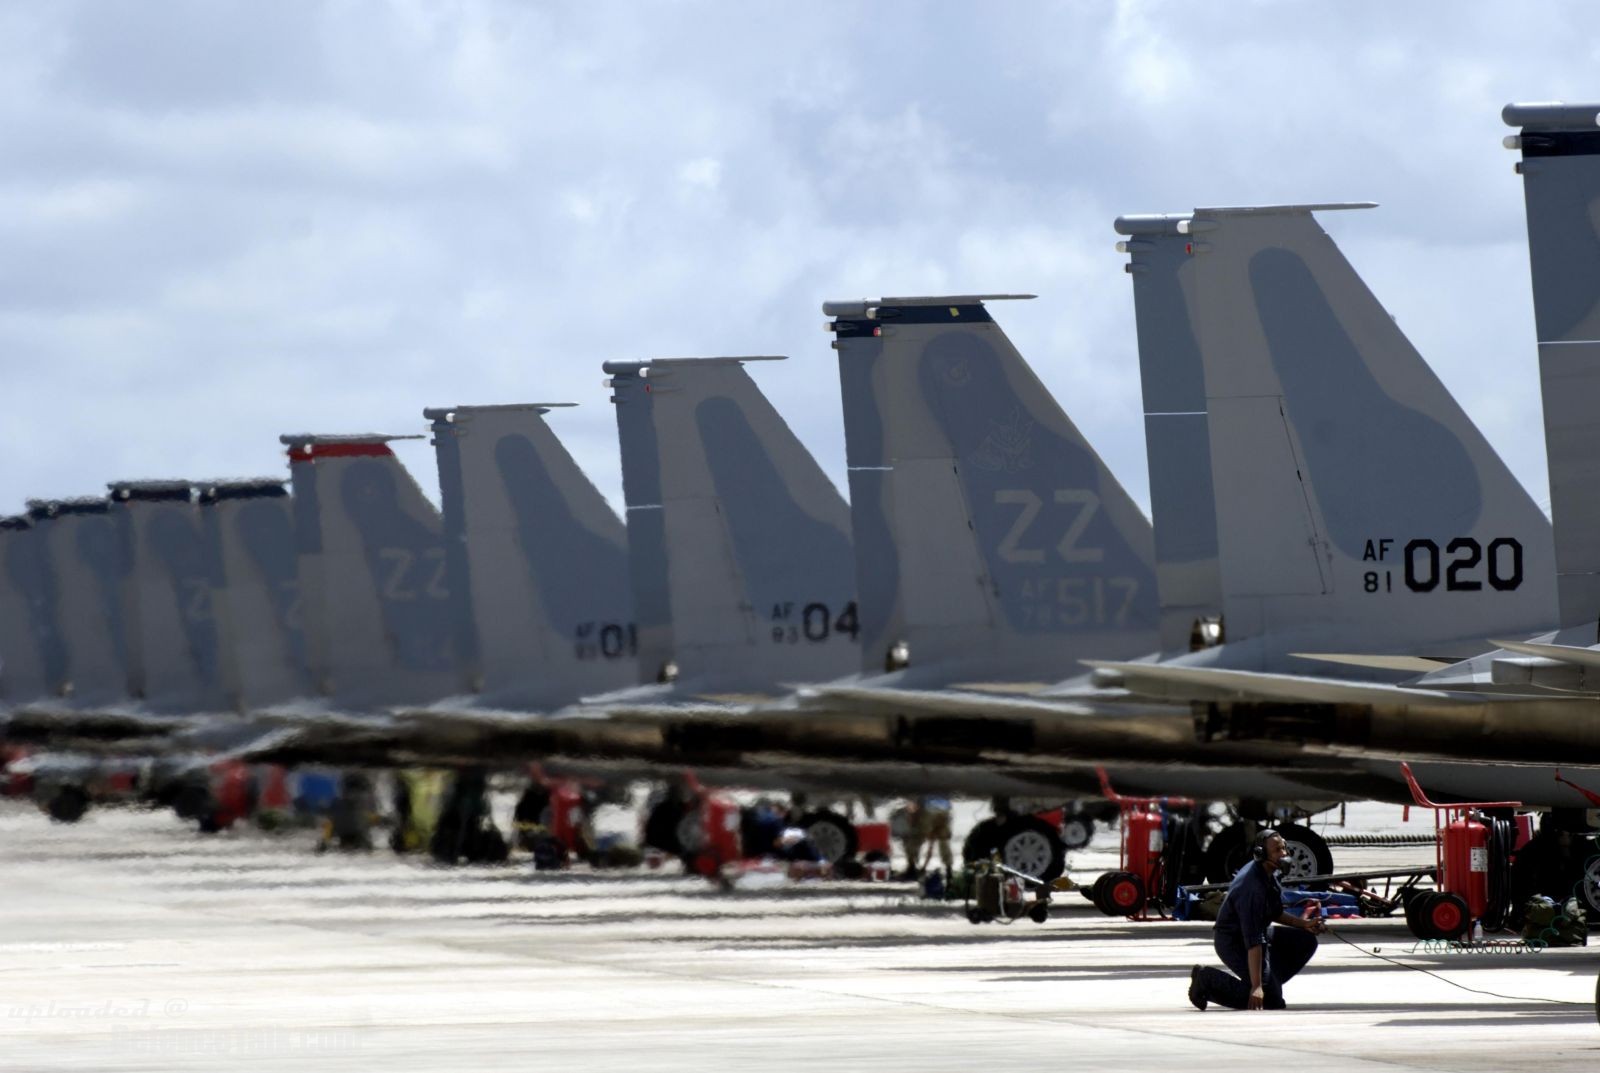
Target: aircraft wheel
(1076,830)
(548,854)
(68,805)
(1309,854)
(1226,853)
(982,841)
(192,800)
(833,836)
(1032,846)
(488,847)
(690,834)
(661,826)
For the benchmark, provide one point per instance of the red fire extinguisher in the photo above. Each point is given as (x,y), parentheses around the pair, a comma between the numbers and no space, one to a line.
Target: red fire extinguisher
(1466,863)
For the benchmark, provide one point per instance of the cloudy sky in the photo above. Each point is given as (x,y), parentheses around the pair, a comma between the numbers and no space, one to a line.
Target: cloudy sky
(224,221)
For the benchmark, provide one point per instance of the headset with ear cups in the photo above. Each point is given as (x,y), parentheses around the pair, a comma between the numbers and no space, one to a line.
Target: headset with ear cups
(1258,848)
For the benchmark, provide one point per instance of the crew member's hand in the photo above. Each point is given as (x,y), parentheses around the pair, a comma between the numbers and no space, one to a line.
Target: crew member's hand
(1257,1001)
(1316,925)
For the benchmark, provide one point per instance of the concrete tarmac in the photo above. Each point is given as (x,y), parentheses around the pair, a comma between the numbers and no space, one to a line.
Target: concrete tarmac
(128,942)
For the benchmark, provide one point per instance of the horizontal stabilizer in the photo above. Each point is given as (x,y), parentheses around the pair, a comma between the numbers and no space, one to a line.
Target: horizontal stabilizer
(1378,661)
(1579,657)
(846,701)
(1211,683)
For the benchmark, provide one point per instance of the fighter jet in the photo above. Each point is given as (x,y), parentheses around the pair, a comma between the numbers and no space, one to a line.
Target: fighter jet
(1460,708)
(1289,502)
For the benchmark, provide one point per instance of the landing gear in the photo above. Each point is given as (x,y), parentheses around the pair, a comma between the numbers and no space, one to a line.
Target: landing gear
(68,804)
(833,836)
(465,831)
(193,799)
(1229,851)
(1029,845)
(1308,853)
(1561,861)
(982,841)
(1024,842)
(666,825)
(1077,829)
(1588,888)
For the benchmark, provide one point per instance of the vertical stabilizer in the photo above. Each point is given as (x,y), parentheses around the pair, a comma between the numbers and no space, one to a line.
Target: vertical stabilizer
(32,658)
(537,561)
(373,585)
(1176,435)
(1560,171)
(249,532)
(1356,503)
(991,540)
(168,596)
(80,541)
(648,580)
(750,535)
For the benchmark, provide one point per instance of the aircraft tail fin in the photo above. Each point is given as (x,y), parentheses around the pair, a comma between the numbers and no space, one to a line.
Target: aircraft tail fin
(80,541)
(1176,433)
(739,544)
(31,657)
(537,561)
(169,596)
(991,540)
(249,530)
(373,585)
(1560,170)
(1355,501)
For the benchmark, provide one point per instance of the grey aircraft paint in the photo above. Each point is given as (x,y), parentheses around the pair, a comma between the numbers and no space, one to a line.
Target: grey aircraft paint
(168,596)
(81,543)
(991,540)
(1177,436)
(374,597)
(1357,507)
(32,657)
(1560,170)
(1560,167)
(739,545)
(646,526)
(249,532)
(537,560)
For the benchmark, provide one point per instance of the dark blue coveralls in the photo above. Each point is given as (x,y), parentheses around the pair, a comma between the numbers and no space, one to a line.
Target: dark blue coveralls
(1254,902)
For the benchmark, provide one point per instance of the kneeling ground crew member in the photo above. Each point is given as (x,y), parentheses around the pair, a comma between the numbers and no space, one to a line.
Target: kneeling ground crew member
(1263,957)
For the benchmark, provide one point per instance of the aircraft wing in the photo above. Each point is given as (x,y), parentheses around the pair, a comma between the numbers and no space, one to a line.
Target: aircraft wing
(35,722)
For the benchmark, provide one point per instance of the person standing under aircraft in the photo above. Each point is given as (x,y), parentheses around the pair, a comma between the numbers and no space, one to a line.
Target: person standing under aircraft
(1263,957)
(923,824)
